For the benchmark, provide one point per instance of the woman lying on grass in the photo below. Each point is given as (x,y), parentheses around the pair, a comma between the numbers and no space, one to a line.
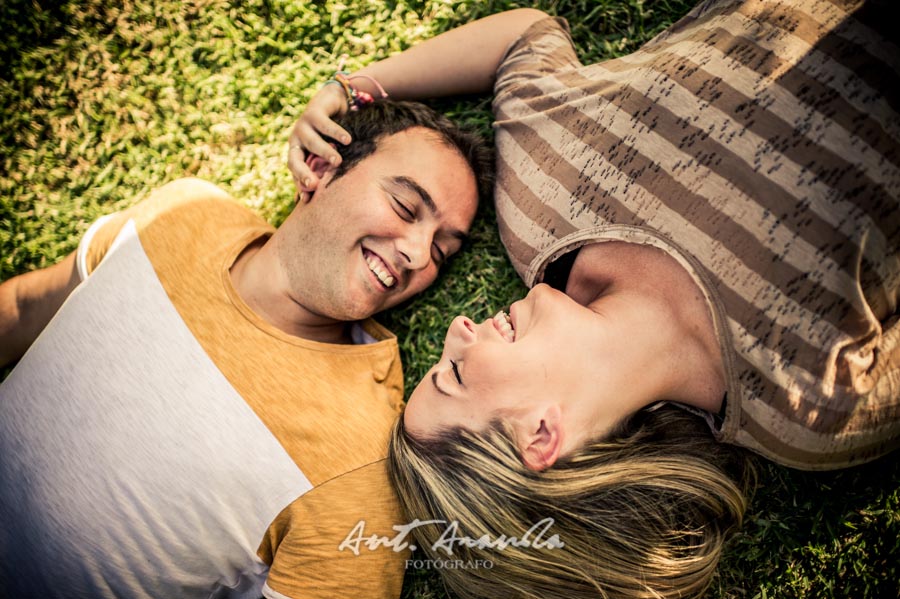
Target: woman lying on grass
(711,227)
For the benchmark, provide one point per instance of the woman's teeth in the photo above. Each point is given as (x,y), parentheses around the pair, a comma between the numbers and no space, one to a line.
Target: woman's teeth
(375,265)
(504,324)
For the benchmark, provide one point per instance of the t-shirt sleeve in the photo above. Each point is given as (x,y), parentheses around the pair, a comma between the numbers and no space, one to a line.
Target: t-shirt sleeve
(312,546)
(100,237)
(546,47)
(96,242)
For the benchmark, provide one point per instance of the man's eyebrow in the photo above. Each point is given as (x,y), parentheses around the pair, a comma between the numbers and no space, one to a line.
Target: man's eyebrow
(436,386)
(413,186)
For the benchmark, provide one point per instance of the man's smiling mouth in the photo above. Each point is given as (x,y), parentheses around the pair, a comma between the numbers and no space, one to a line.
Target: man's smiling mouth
(379,269)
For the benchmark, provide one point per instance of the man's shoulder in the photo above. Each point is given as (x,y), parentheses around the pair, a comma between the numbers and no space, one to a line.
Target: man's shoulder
(177,215)
(187,199)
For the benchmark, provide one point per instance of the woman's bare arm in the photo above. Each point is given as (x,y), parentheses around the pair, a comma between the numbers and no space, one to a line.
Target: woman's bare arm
(461,61)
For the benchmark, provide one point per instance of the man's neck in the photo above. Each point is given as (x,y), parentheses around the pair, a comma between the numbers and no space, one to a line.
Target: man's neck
(256,282)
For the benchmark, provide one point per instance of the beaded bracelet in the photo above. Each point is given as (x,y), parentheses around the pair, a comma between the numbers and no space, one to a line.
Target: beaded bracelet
(356,97)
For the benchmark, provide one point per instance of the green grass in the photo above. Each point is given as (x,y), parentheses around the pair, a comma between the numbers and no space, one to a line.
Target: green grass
(103,101)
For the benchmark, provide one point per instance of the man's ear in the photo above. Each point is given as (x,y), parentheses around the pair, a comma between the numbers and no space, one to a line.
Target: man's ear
(541,446)
(320,168)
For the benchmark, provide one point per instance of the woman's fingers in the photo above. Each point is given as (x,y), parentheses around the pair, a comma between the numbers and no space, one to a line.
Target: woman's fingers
(304,178)
(310,136)
(321,120)
(309,133)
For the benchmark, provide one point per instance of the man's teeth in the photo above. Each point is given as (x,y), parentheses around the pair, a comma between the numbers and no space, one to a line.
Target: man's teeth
(505,326)
(375,265)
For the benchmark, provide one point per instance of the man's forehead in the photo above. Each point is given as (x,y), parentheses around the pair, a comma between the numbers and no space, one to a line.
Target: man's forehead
(419,142)
(413,139)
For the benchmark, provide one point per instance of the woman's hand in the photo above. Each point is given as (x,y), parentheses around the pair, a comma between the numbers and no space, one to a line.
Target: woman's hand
(461,61)
(307,135)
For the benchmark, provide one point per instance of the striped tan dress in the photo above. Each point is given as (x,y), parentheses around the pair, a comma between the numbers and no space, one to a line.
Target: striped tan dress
(758,142)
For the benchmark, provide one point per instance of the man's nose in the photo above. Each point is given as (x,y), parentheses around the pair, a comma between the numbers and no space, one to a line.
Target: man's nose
(415,249)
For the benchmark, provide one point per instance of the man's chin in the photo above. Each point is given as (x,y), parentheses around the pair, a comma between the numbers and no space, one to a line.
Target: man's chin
(370,304)
(353,311)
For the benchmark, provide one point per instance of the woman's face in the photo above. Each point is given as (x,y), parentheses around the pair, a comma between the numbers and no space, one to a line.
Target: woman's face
(504,368)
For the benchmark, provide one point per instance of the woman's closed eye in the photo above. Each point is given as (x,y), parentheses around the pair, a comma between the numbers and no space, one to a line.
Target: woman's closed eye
(456,372)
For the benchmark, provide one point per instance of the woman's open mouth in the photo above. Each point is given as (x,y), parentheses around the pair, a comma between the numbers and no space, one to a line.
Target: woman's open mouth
(503,323)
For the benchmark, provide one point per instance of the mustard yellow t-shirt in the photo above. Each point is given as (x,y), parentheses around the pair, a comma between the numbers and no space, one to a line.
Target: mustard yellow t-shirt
(161,440)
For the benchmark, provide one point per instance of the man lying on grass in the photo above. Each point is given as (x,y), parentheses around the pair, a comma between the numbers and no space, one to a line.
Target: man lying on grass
(207,413)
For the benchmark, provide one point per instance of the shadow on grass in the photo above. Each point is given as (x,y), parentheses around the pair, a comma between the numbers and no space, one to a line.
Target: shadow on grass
(818,534)
(29,24)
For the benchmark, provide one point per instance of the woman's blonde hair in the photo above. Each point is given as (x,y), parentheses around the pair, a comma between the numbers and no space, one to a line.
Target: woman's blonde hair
(642,513)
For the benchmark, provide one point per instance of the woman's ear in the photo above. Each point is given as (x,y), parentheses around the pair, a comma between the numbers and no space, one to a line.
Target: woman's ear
(541,447)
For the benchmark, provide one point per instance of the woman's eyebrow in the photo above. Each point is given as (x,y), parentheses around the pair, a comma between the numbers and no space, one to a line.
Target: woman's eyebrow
(435,383)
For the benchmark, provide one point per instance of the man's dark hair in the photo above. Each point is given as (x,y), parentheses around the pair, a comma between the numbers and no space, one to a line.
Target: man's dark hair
(386,117)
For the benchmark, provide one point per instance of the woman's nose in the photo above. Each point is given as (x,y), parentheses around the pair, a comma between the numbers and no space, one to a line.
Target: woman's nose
(461,331)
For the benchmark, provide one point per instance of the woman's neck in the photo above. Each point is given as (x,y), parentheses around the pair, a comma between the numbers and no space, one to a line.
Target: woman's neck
(659,318)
